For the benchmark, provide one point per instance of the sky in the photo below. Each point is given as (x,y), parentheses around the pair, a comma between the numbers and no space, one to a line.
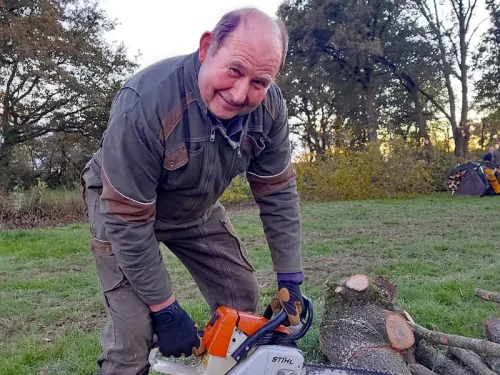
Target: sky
(163,28)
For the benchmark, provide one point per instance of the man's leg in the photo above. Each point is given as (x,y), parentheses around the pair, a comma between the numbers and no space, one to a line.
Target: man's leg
(127,336)
(218,262)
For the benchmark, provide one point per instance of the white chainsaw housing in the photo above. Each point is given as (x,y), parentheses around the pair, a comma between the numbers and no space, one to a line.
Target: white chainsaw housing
(264,360)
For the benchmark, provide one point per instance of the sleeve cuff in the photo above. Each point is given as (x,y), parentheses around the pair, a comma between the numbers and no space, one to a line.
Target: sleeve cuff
(297,277)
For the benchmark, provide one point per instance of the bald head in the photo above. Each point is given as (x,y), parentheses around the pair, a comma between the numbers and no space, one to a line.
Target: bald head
(240,59)
(252,20)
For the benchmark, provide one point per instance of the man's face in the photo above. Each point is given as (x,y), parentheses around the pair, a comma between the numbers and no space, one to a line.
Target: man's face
(235,79)
(492,150)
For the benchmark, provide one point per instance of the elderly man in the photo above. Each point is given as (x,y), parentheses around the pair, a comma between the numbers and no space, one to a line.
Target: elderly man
(179,132)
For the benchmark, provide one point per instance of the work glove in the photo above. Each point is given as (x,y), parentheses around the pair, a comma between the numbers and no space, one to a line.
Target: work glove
(176,333)
(289,298)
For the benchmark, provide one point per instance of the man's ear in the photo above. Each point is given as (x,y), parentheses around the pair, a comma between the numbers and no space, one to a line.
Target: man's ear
(205,42)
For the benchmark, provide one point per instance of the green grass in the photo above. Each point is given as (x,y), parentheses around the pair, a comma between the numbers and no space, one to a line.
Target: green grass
(437,249)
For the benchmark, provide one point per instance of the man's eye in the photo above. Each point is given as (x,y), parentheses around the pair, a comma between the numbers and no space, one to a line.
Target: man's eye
(260,84)
(234,71)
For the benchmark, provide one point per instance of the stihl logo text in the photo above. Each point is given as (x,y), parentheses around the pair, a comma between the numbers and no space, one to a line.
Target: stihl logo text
(283,360)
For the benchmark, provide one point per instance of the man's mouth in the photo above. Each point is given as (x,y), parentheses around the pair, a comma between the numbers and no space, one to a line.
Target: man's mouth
(230,103)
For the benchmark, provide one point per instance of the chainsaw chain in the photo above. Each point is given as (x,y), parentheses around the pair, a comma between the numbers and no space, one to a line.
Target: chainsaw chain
(349,370)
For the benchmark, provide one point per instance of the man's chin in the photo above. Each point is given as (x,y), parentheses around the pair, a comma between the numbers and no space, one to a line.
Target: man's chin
(224,114)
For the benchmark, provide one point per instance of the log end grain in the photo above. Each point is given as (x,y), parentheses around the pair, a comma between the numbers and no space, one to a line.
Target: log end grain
(399,332)
(358,282)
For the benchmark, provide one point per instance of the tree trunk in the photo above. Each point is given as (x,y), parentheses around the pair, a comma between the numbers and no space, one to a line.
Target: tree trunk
(371,111)
(423,133)
(360,328)
(464,121)
(6,150)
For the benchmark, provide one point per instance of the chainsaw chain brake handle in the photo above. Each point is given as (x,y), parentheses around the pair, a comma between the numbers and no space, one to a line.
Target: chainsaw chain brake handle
(306,319)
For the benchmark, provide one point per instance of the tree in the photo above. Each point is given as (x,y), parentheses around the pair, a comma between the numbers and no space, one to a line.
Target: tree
(360,46)
(57,73)
(410,57)
(347,33)
(321,103)
(454,44)
(488,87)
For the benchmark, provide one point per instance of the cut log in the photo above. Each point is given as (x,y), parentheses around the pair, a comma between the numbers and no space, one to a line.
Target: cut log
(437,362)
(479,346)
(492,329)
(493,363)
(379,292)
(472,360)
(417,369)
(358,282)
(399,332)
(409,356)
(354,331)
(380,360)
(488,296)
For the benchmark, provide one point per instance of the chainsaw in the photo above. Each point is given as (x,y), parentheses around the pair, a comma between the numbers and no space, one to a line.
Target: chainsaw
(238,343)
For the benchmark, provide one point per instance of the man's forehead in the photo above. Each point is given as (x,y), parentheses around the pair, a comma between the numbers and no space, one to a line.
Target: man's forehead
(261,46)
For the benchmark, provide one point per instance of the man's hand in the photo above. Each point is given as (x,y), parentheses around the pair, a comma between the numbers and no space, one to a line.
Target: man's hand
(290,299)
(176,332)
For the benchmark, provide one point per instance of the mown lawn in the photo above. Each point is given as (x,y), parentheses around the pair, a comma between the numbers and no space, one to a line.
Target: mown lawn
(437,249)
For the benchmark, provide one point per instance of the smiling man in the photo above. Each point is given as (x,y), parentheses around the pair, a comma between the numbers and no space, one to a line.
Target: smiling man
(179,132)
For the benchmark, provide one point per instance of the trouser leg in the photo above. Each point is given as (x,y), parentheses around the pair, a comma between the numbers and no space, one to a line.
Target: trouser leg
(217,261)
(128,334)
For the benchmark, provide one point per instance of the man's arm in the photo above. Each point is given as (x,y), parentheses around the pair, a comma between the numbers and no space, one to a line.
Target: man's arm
(272,181)
(132,158)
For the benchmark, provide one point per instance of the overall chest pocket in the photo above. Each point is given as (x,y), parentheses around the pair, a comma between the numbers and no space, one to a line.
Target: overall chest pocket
(183,167)
(253,144)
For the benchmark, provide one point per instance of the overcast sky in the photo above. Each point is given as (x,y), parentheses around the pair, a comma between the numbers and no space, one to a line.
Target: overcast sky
(162,28)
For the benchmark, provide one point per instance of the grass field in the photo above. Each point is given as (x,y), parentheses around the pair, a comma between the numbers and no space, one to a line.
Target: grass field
(437,249)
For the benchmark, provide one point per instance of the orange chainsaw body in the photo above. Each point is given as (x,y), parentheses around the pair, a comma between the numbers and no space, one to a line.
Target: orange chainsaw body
(220,328)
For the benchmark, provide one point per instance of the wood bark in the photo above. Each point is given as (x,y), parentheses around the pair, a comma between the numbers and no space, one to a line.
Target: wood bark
(472,360)
(438,362)
(354,333)
(492,331)
(488,296)
(479,346)
(493,363)
(417,369)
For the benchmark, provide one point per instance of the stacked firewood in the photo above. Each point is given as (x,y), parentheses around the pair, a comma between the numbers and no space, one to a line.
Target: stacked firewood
(362,328)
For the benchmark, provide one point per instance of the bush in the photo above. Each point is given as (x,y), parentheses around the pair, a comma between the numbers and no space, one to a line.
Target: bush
(394,171)
(237,192)
(40,207)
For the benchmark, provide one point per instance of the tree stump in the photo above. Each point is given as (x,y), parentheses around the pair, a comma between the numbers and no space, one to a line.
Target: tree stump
(361,329)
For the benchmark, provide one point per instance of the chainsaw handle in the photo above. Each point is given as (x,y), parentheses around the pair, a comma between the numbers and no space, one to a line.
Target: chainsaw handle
(251,341)
(306,318)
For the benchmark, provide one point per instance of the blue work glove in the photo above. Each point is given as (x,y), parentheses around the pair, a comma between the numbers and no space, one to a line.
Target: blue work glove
(289,296)
(176,333)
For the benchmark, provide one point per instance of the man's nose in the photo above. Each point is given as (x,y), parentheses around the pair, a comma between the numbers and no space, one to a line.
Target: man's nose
(239,91)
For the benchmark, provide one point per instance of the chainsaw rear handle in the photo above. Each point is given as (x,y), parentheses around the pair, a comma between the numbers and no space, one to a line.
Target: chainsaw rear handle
(306,318)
